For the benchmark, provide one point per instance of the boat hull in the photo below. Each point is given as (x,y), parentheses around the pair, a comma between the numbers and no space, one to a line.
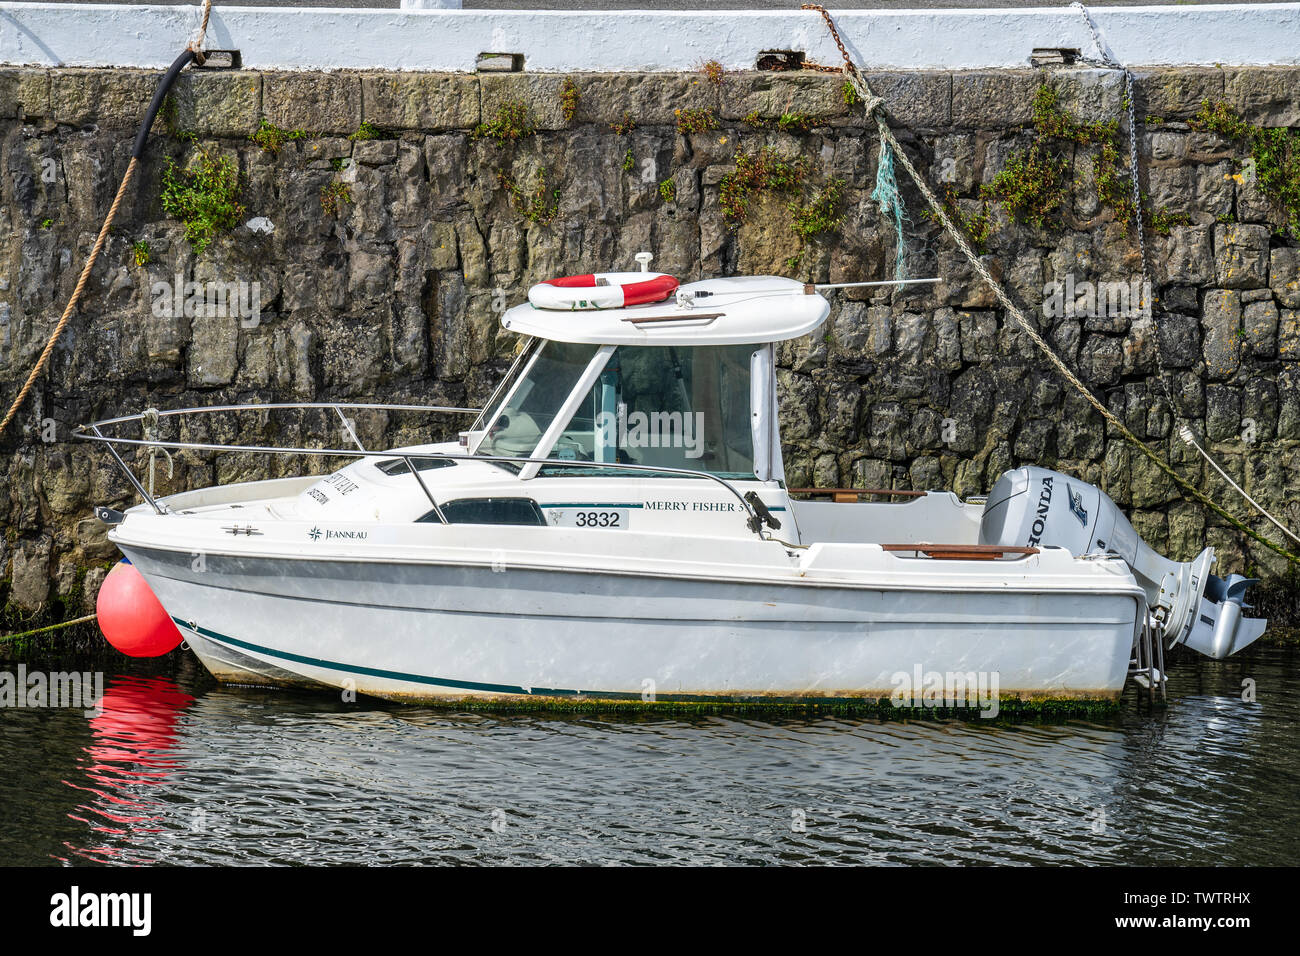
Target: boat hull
(446,632)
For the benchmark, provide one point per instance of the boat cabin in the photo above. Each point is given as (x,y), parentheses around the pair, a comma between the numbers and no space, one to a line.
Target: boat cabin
(610,418)
(686,385)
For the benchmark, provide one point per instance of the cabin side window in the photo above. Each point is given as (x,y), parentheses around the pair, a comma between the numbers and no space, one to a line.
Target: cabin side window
(487,511)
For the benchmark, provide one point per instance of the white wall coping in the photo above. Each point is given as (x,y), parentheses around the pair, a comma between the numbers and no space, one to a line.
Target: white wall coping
(314,38)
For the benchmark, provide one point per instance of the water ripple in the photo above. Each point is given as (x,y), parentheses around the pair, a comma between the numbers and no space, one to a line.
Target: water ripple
(180,770)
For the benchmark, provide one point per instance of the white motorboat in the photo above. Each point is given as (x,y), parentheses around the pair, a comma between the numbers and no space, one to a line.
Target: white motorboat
(615,525)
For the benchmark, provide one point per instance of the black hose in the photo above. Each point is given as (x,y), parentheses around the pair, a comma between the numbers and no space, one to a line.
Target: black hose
(164,85)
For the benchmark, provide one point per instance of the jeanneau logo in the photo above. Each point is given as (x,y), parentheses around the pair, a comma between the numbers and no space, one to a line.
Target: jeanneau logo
(330,535)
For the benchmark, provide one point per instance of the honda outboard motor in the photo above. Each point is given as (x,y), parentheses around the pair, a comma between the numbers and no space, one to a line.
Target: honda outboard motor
(1034,507)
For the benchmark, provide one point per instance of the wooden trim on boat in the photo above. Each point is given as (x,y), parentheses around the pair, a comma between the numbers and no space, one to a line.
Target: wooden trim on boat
(851,495)
(684,317)
(962,552)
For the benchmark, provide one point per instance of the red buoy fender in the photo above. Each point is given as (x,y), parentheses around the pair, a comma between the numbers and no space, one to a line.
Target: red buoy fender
(131,617)
(603,290)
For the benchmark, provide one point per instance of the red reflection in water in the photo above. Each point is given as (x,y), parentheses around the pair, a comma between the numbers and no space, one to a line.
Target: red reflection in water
(133,748)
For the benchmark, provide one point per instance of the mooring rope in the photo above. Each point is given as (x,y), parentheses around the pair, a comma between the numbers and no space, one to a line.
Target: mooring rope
(49,627)
(192,51)
(1185,430)
(72,302)
(195,45)
(872,104)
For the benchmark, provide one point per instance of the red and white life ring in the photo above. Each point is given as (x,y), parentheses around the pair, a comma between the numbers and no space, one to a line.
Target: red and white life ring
(602,290)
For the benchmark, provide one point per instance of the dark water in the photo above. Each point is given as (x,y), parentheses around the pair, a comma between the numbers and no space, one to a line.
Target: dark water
(180,770)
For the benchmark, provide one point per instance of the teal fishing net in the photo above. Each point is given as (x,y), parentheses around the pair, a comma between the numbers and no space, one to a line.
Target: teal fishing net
(891,204)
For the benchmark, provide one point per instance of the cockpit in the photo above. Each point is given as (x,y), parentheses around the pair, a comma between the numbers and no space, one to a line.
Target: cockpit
(680,407)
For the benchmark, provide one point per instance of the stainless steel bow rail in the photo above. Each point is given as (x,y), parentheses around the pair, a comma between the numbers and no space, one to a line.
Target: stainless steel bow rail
(755,517)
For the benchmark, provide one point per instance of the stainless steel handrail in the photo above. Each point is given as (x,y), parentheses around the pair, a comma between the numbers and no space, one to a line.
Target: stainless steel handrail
(96,435)
(280,406)
(91,432)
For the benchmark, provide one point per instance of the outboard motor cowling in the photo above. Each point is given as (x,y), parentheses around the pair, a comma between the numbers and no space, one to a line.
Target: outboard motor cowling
(1035,507)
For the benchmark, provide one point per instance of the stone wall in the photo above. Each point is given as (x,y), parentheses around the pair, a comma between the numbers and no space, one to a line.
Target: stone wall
(394,295)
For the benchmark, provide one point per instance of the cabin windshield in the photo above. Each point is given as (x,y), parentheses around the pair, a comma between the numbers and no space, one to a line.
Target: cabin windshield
(526,410)
(685,407)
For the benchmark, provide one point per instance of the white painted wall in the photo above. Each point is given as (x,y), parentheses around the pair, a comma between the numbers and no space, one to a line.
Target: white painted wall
(552,41)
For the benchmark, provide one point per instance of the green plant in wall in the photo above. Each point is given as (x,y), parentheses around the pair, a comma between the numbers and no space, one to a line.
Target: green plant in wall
(272,138)
(569,97)
(1035,184)
(713,72)
(204,196)
(695,120)
(368,130)
(141,253)
(167,113)
(823,213)
(1162,221)
(511,122)
(1274,157)
(628,161)
(758,172)
(540,204)
(786,122)
(850,94)
(1221,118)
(624,126)
(976,226)
(334,195)
(668,190)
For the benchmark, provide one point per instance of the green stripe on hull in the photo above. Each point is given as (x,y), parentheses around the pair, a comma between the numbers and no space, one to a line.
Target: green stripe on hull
(1010,708)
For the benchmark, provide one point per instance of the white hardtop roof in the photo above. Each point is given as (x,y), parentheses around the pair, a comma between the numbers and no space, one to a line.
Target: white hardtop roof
(737,310)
